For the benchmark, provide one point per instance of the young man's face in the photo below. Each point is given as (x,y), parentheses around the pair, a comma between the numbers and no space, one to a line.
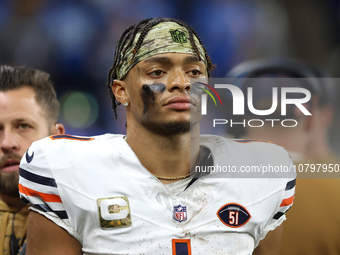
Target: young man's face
(159,91)
(21,123)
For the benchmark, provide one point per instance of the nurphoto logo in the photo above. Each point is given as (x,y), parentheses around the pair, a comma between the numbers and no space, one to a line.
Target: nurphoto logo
(242,103)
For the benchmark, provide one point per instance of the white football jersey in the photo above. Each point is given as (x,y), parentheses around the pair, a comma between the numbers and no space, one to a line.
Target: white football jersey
(97,189)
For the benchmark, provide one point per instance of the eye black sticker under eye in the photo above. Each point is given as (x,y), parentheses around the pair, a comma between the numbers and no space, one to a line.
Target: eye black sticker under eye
(148,94)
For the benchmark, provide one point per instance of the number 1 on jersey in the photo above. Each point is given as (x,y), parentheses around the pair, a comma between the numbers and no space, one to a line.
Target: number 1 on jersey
(181,247)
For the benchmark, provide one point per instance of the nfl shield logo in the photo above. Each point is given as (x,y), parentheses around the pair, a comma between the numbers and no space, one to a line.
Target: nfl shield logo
(178,36)
(180,213)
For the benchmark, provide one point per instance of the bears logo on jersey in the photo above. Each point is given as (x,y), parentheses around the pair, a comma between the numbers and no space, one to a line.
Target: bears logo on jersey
(233,215)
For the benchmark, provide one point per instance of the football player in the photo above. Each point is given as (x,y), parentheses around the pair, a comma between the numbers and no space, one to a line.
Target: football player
(133,193)
(28,111)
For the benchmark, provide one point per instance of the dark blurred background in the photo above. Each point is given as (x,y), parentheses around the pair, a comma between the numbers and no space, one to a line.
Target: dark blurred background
(74,41)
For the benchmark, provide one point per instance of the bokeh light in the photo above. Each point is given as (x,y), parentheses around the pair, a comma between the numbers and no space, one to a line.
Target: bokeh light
(79,109)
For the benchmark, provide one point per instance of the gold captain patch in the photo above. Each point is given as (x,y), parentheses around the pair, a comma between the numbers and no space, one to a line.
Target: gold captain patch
(114,212)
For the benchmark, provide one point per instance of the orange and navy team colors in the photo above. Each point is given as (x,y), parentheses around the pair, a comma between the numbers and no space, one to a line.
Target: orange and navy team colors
(97,189)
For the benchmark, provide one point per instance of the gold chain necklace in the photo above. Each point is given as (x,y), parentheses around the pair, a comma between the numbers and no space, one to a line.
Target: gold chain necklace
(172,178)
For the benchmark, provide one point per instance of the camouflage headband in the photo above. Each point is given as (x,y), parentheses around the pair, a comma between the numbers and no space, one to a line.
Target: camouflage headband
(163,38)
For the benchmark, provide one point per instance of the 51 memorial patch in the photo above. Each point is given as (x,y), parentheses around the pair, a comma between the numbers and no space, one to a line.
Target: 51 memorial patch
(233,215)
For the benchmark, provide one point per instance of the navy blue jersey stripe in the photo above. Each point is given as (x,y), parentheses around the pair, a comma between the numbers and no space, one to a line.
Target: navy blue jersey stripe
(278,215)
(245,141)
(62,214)
(290,184)
(72,137)
(250,140)
(25,200)
(46,208)
(43,207)
(37,178)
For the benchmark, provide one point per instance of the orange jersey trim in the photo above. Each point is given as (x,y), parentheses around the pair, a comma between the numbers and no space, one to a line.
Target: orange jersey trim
(287,201)
(174,241)
(44,196)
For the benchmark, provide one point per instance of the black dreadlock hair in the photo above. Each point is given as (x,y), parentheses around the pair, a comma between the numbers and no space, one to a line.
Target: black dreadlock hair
(127,38)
